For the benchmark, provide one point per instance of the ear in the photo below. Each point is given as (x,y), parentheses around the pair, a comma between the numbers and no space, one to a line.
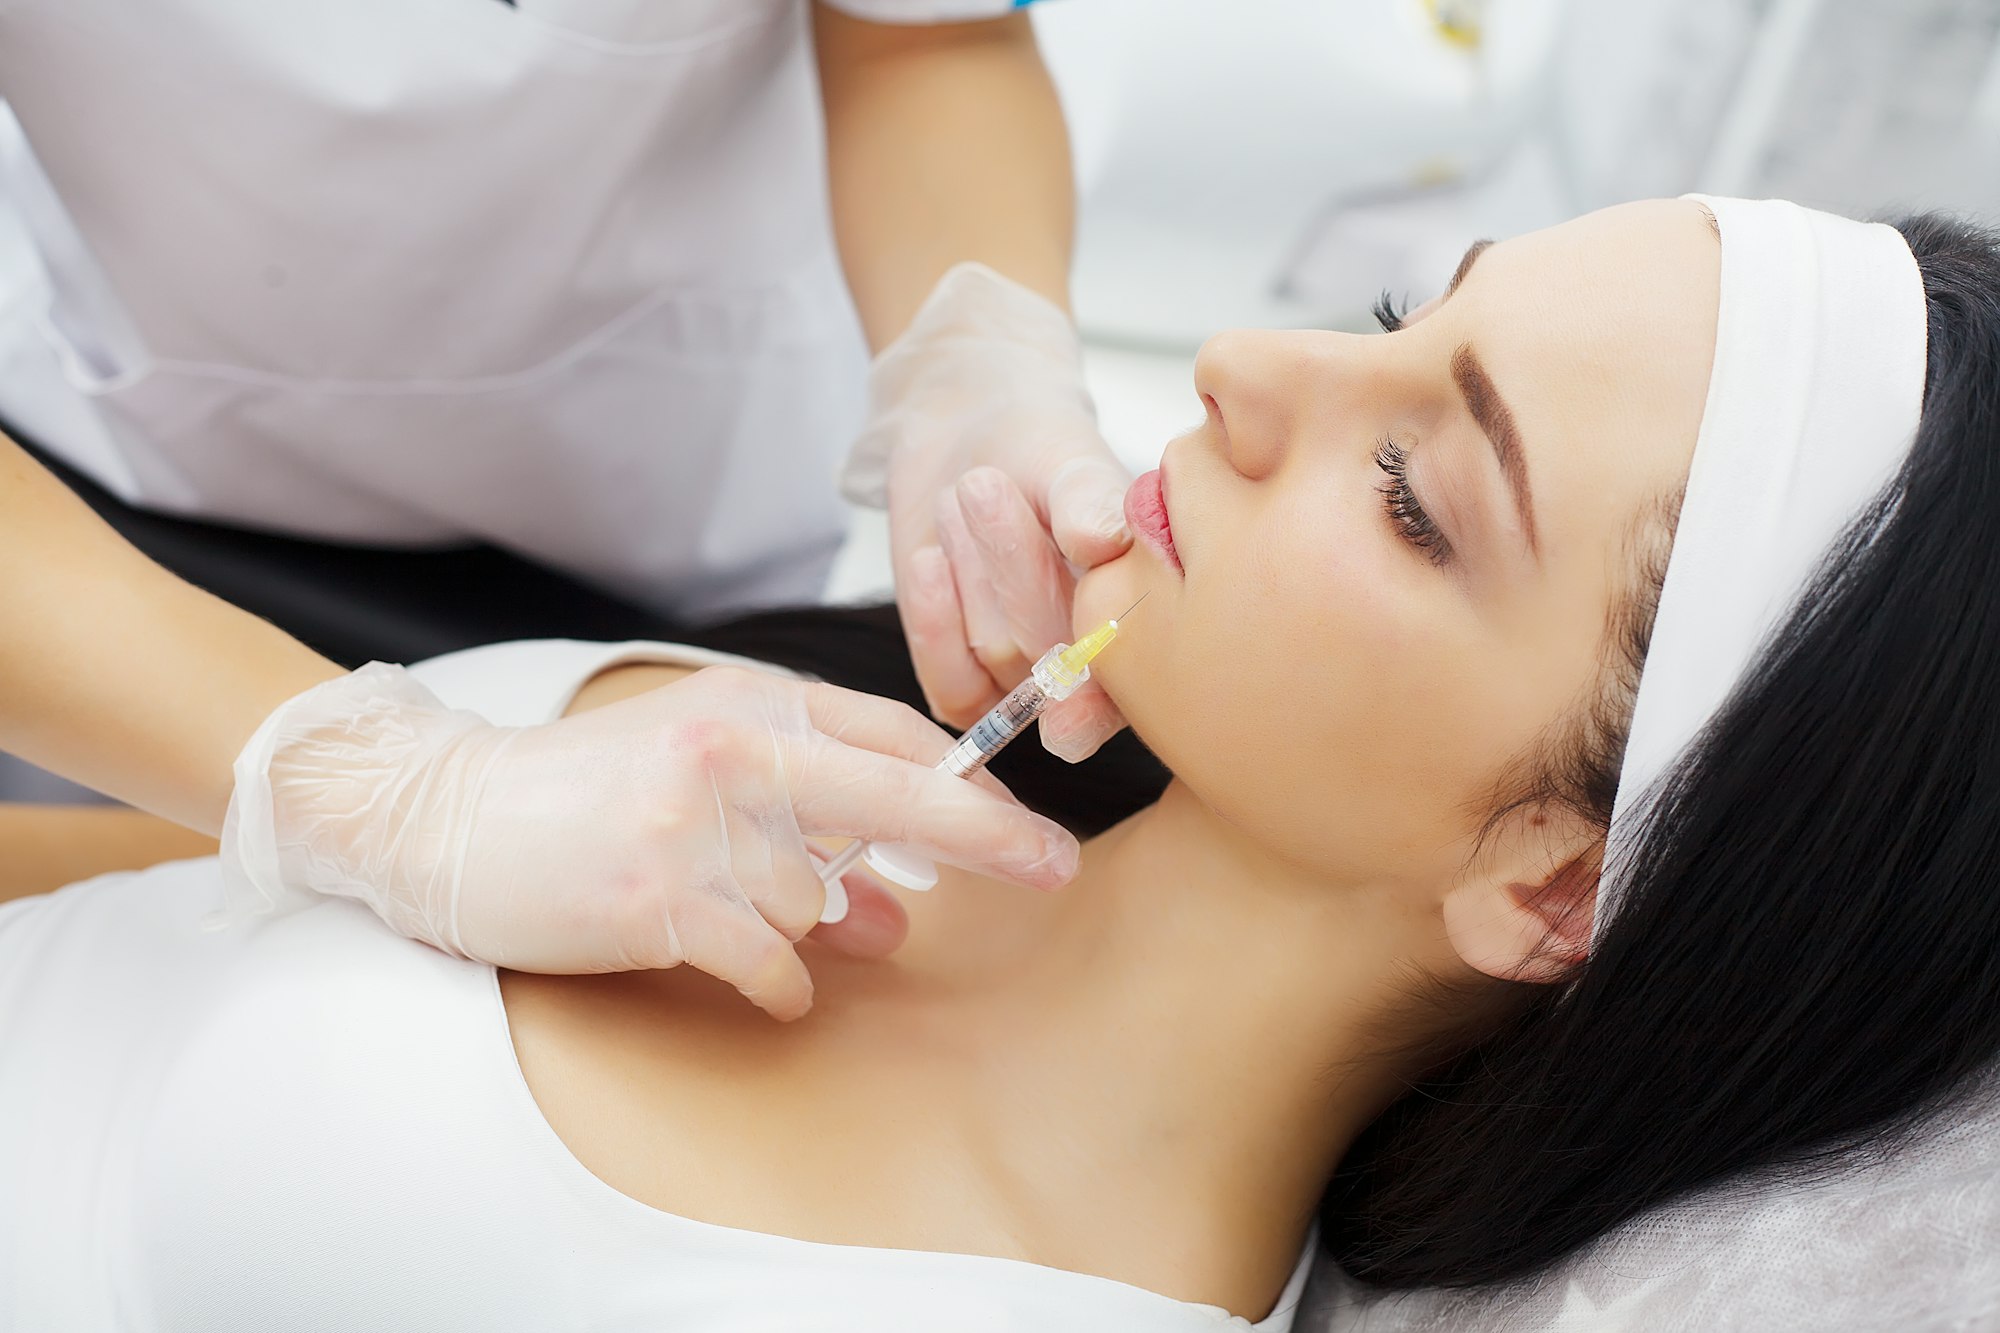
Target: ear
(1527,916)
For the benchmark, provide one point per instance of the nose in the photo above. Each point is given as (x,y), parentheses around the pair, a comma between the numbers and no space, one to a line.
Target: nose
(1260,386)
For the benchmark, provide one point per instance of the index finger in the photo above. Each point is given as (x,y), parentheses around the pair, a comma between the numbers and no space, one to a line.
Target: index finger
(1030,580)
(849,792)
(955,686)
(870,722)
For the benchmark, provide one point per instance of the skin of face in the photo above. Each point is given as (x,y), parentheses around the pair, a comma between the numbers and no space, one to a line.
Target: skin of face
(1340,696)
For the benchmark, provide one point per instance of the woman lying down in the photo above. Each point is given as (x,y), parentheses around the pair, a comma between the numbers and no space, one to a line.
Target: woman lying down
(1468,927)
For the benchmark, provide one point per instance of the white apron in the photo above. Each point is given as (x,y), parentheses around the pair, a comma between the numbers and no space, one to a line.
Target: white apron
(410,272)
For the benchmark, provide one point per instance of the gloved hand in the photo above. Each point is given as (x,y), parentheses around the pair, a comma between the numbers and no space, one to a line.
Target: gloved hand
(989,376)
(663,829)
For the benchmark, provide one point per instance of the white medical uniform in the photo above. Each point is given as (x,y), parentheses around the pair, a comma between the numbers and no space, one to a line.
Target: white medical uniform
(404,272)
(315,1124)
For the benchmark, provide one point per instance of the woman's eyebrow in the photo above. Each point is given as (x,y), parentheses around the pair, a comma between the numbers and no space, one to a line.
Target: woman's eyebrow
(1472,253)
(1490,411)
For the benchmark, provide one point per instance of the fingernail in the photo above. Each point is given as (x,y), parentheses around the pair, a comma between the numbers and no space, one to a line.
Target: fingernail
(1057,862)
(1109,522)
(865,931)
(870,937)
(1071,745)
(980,492)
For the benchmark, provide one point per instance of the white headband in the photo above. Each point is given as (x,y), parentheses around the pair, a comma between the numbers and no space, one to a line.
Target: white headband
(1818,380)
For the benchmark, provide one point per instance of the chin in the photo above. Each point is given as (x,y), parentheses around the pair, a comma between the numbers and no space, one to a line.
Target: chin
(1097,596)
(1109,589)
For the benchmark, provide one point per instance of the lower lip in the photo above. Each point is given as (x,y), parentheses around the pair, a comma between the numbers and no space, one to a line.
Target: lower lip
(1146,511)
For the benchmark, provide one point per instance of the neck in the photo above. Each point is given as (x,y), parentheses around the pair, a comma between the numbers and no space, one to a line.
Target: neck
(1189,1010)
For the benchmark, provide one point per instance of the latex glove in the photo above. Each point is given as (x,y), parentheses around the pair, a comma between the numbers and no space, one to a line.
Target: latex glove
(668,828)
(989,375)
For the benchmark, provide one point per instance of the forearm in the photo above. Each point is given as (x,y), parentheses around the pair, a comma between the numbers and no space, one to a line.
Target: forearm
(944,144)
(118,675)
(43,847)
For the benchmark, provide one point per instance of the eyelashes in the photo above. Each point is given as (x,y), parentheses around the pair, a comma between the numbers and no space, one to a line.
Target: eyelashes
(1389,311)
(1405,511)
(1408,514)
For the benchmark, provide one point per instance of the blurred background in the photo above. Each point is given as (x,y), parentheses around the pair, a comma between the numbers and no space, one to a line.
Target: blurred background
(1283,162)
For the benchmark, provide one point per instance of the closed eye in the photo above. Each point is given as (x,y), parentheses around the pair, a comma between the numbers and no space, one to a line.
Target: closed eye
(1406,512)
(1390,311)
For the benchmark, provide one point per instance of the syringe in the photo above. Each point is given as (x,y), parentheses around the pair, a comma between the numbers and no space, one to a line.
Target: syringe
(1059,673)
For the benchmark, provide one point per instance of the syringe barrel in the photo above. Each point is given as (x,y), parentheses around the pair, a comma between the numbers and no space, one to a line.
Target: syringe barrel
(990,734)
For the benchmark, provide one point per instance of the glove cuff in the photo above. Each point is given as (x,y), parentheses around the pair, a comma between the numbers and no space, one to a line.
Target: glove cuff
(322,766)
(972,300)
(971,303)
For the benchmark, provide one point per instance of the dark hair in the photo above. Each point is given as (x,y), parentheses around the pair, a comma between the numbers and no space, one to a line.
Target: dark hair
(1806,960)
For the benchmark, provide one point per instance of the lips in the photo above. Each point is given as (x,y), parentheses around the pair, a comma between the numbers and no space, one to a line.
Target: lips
(1146,511)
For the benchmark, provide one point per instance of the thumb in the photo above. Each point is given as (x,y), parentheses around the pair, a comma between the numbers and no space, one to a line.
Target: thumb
(1086,509)
(1074,729)
(875,925)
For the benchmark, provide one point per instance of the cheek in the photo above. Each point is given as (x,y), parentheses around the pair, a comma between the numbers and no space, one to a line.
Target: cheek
(1325,692)
(1302,690)
(1324,741)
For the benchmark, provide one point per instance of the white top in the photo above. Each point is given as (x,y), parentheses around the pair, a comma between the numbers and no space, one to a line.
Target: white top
(314,1124)
(555,274)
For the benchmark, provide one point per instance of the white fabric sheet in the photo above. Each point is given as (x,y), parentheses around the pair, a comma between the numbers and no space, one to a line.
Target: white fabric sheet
(1910,1242)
